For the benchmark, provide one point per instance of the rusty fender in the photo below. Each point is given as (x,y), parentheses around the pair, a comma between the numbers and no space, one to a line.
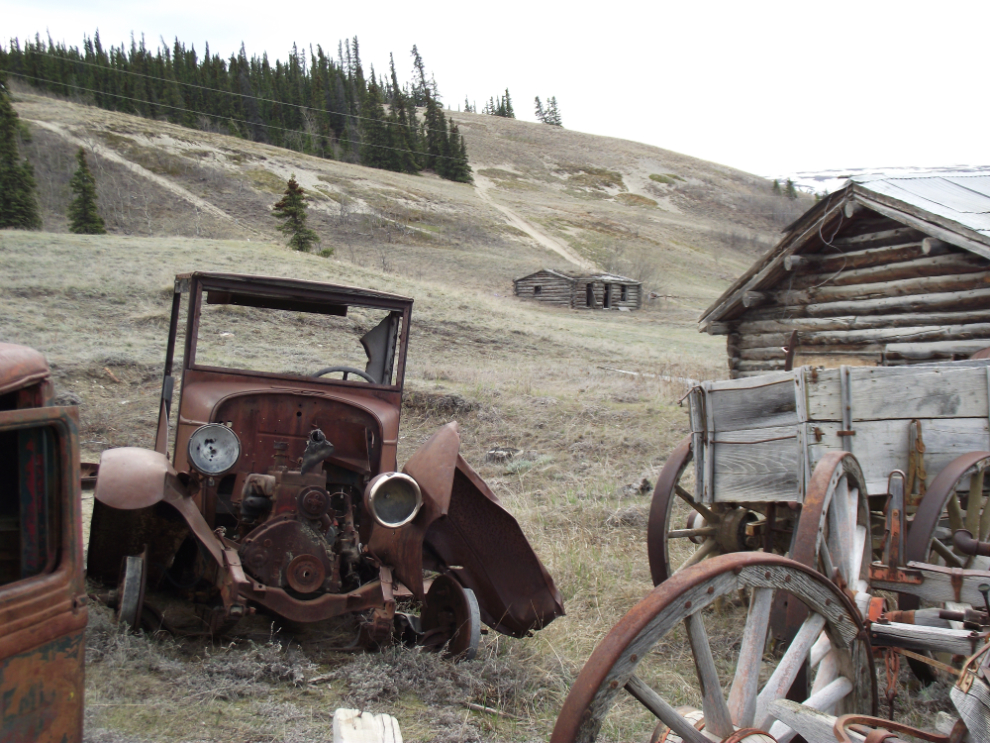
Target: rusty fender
(479,542)
(132,485)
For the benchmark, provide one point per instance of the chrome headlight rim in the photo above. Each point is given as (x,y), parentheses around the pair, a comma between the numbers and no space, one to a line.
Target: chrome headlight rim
(223,460)
(378,485)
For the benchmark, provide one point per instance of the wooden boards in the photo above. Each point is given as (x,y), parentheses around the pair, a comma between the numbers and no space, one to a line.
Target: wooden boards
(758,439)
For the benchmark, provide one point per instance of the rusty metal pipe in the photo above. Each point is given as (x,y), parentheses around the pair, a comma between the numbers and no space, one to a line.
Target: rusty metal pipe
(968,545)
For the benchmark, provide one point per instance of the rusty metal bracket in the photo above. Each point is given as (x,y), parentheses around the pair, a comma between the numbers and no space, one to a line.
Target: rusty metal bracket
(846,401)
(891,574)
(895,520)
(885,726)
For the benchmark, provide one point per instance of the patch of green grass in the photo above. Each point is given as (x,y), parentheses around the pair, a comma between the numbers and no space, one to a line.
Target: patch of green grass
(667,179)
(632,199)
(265,180)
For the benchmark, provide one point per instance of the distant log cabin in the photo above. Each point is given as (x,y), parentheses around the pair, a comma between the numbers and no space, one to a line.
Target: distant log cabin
(599,291)
(886,271)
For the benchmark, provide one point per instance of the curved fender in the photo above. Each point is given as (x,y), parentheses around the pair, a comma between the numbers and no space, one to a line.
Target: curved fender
(487,552)
(432,467)
(132,478)
(464,524)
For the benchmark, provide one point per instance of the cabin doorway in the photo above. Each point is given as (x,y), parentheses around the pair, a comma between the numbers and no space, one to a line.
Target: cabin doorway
(589,295)
(607,297)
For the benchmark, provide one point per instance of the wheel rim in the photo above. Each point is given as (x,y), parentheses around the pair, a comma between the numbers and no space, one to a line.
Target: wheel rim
(940,513)
(130,591)
(661,510)
(840,654)
(451,619)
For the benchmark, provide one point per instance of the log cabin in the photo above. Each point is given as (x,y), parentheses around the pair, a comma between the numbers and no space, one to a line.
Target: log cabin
(886,271)
(603,291)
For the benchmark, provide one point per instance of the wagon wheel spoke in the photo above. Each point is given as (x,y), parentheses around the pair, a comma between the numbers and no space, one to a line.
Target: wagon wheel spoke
(789,666)
(984,520)
(955,513)
(717,717)
(746,681)
(974,504)
(708,547)
(669,716)
(705,531)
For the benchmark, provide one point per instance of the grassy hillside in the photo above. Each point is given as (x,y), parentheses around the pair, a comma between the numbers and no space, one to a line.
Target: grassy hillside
(515,374)
(543,196)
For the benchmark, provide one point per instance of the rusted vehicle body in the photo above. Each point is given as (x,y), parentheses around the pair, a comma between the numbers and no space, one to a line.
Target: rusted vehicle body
(282,494)
(42,593)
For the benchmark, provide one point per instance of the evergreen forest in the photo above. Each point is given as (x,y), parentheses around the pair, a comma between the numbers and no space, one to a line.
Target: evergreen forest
(313,103)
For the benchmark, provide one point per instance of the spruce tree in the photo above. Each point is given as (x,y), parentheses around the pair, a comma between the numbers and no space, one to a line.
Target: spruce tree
(18,201)
(775,187)
(507,106)
(291,210)
(84,219)
(789,190)
(553,113)
(541,115)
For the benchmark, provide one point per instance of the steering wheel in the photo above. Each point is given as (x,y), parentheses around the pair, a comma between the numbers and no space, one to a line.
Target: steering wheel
(347,370)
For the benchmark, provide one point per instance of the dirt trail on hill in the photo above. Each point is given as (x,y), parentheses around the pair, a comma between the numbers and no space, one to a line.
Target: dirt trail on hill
(109,154)
(482,185)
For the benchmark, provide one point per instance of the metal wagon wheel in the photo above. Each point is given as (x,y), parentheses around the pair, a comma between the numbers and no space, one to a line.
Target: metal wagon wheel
(956,499)
(736,684)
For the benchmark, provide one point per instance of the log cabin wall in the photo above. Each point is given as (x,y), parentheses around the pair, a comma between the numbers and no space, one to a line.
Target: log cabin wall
(633,296)
(581,296)
(546,286)
(572,291)
(614,286)
(861,289)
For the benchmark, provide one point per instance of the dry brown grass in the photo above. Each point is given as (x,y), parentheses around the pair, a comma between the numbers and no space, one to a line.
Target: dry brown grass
(513,373)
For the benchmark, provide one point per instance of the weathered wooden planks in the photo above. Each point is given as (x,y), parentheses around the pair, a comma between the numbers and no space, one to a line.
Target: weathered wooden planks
(936,639)
(740,404)
(881,393)
(759,438)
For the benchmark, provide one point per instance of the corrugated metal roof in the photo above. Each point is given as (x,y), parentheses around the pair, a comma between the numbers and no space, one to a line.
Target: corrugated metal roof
(963,198)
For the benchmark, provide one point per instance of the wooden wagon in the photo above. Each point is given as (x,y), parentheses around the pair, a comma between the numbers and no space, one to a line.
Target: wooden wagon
(871,479)
(755,444)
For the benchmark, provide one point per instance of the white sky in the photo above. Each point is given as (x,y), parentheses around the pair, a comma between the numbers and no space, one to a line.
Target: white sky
(768,87)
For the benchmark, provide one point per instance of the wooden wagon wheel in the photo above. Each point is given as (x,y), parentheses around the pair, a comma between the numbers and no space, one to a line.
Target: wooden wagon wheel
(712,530)
(832,532)
(948,505)
(734,688)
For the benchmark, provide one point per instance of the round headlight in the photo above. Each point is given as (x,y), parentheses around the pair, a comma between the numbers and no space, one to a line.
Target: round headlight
(214,449)
(393,499)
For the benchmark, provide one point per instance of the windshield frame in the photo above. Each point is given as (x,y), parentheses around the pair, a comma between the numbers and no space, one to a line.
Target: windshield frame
(285,294)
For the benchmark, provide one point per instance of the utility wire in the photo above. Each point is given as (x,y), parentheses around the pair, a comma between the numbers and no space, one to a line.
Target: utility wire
(216,116)
(218,90)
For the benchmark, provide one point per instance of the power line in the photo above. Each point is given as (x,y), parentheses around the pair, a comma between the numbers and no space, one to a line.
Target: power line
(214,116)
(218,90)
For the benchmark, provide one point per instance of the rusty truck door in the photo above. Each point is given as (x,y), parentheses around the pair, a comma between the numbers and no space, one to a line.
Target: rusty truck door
(42,593)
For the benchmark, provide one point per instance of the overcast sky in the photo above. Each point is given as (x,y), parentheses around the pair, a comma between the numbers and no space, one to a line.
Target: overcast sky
(769,87)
